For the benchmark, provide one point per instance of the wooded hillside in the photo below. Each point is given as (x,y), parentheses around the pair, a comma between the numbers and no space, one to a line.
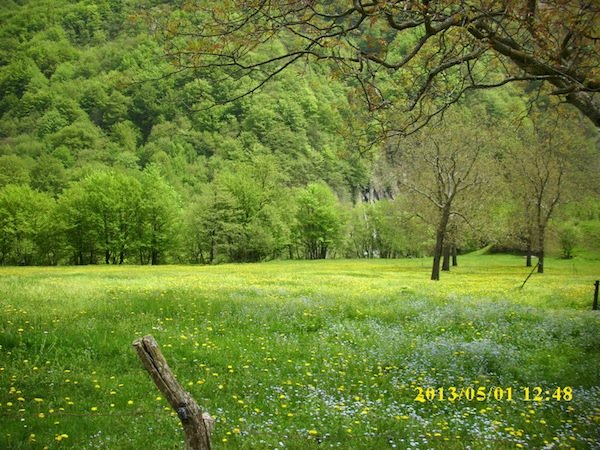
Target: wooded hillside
(109,153)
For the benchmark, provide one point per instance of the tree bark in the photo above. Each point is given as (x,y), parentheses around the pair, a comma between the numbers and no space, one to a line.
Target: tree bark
(454,256)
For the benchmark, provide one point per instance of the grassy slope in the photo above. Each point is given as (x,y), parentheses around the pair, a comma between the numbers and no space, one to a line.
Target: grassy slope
(301,354)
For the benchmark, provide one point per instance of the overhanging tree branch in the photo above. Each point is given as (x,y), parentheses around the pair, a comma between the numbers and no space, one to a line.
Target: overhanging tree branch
(547,41)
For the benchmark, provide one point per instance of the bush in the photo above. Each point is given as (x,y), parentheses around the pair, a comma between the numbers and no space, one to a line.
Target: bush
(568,237)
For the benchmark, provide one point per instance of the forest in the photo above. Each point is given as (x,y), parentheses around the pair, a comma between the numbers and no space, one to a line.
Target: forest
(111,153)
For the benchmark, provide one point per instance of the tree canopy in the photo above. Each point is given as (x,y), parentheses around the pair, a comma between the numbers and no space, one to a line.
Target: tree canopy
(415,56)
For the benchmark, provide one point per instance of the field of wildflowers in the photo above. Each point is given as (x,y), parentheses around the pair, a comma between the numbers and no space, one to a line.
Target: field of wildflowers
(303,355)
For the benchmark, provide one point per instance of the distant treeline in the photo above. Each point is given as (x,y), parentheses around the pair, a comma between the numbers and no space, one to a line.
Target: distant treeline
(245,215)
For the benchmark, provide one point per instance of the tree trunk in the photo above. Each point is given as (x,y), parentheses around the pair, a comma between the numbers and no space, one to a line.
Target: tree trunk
(323,252)
(446,258)
(541,243)
(454,256)
(439,241)
(437,254)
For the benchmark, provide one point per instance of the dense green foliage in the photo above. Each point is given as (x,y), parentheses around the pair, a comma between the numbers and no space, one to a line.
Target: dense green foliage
(108,156)
(301,355)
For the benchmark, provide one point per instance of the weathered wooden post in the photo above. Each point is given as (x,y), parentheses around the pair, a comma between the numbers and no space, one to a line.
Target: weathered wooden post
(595,304)
(196,425)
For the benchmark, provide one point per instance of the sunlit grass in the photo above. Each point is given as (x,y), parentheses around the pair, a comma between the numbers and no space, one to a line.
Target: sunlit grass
(301,354)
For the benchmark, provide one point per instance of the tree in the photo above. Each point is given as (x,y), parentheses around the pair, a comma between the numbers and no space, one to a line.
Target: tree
(81,233)
(81,22)
(49,237)
(207,217)
(48,174)
(75,140)
(386,229)
(158,216)
(258,228)
(568,237)
(318,222)
(100,214)
(536,170)
(25,221)
(114,201)
(14,170)
(16,79)
(361,232)
(116,216)
(441,166)
(400,232)
(398,52)
(242,215)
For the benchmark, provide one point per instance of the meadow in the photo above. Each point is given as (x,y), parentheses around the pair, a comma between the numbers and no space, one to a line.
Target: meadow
(305,355)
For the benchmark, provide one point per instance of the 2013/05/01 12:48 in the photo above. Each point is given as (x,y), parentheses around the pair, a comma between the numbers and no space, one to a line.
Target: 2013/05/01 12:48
(496,393)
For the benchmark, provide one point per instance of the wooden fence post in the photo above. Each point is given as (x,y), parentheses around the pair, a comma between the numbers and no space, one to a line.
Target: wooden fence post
(595,304)
(196,425)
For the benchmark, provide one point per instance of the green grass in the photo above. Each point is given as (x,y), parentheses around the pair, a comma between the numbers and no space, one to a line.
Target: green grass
(325,354)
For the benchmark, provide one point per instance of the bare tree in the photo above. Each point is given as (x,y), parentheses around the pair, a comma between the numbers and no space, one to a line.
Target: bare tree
(427,52)
(441,166)
(536,171)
